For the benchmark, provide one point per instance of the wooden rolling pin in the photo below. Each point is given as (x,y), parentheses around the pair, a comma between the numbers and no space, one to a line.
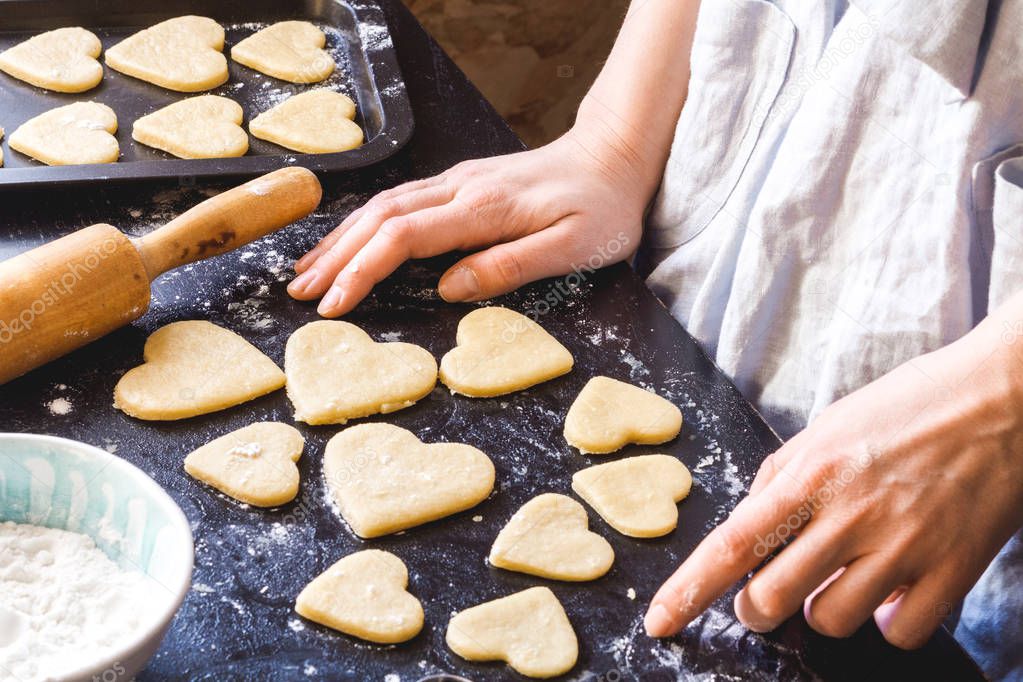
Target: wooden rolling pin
(64,294)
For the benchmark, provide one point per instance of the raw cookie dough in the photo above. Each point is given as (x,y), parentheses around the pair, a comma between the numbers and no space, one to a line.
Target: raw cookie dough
(384,479)
(499,351)
(608,414)
(254,465)
(203,127)
(528,630)
(315,122)
(63,60)
(336,372)
(289,50)
(82,132)
(182,54)
(548,537)
(194,368)
(364,595)
(637,496)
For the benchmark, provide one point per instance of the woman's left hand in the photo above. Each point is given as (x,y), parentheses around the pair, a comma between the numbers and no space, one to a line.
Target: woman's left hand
(892,503)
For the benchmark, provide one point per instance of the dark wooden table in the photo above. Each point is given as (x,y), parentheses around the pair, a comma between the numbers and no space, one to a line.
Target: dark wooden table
(237,622)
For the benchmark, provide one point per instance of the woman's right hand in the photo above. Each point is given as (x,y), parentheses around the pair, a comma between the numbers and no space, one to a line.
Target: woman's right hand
(575,203)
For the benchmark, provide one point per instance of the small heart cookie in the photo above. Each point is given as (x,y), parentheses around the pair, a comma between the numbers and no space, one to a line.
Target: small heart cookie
(548,537)
(364,595)
(254,465)
(289,50)
(384,479)
(82,132)
(315,122)
(181,54)
(499,351)
(528,630)
(203,127)
(336,372)
(608,414)
(194,368)
(637,496)
(63,60)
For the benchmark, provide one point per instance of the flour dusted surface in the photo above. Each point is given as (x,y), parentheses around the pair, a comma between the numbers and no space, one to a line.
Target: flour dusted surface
(63,602)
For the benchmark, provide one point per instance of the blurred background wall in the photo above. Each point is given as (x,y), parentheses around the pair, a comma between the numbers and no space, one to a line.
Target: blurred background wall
(533,59)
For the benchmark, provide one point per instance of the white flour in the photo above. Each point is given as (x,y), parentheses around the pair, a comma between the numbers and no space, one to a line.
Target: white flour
(63,603)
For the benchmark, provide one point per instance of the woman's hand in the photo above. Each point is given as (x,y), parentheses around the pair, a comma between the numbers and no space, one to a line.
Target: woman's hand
(537,214)
(893,502)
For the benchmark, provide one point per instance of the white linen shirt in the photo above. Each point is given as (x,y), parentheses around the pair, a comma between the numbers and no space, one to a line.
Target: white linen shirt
(844,193)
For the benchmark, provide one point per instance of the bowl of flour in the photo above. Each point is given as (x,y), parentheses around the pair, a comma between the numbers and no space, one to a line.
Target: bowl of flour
(95,560)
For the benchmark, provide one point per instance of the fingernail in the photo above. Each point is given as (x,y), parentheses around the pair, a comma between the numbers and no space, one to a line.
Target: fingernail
(658,622)
(331,301)
(459,285)
(302,282)
(304,262)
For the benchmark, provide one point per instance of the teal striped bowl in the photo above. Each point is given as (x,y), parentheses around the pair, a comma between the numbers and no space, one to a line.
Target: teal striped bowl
(60,483)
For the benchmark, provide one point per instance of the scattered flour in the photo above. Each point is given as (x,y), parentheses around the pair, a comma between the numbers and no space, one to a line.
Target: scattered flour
(60,406)
(63,602)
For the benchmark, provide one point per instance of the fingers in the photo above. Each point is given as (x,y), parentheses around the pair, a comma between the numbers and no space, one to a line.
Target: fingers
(732,550)
(309,258)
(843,606)
(505,267)
(328,264)
(396,240)
(777,591)
(909,621)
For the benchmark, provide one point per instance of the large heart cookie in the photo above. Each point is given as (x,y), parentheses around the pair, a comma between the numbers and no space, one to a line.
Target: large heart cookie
(204,127)
(609,414)
(528,630)
(364,595)
(548,537)
(82,132)
(315,122)
(499,351)
(289,50)
(637,496)
(63,60)
(255,464)
(336,372)
(194,368)
(182,54)
(384,479)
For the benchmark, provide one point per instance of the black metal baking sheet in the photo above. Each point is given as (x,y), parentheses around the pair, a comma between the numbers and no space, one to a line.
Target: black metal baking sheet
(357,38)
(231,628)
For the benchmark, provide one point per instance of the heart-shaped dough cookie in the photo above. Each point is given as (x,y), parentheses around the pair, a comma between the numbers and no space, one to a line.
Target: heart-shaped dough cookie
(82,132)
(289,50)
(63,60)
(528,630)
(194,368)
(182,54)
(336,372)
(637,496)
(364,595)
(548,537)
(315,122)
(254,465)
(608,414)
(203,127)
(384,479)
(500,351)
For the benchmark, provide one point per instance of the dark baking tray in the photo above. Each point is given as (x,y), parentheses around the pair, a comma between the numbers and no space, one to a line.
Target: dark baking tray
(357,37)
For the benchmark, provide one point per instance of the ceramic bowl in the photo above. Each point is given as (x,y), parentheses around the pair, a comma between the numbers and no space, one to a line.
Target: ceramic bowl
(59,483)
